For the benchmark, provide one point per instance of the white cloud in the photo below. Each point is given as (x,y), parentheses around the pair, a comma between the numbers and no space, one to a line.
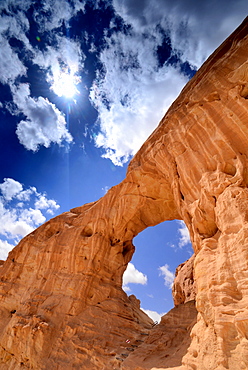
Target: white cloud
(10,188)
(154,315)
(32,216)
(15,226)
(132,275)
(10,65)
(48,204)
(25,194)
(8,5)
(196,28)
(44,123)
(167,275)
(20,218)
(15,26)
(52,14)
(132,94)
(16,223)
(184,238)
(5,247)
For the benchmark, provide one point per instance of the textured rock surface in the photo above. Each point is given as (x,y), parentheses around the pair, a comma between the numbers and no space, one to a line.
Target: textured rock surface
(61,301)
(183,289)
(167,343)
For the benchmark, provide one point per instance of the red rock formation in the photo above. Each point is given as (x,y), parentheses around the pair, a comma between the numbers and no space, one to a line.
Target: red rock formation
(62,305)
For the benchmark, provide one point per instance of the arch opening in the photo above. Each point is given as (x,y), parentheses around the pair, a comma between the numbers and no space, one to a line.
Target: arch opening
(159,250)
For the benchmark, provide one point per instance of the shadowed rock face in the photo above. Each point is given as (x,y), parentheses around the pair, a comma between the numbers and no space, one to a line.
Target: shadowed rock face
(61,301)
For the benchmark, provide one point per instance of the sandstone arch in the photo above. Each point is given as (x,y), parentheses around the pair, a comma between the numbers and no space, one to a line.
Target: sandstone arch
(61,286)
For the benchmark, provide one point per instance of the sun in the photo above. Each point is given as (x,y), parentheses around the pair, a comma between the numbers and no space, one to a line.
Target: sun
(65,84)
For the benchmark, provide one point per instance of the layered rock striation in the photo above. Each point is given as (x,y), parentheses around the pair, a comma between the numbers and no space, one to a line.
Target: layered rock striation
(61,301)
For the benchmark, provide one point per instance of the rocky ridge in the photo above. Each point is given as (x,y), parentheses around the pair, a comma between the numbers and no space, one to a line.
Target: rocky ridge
(62,304)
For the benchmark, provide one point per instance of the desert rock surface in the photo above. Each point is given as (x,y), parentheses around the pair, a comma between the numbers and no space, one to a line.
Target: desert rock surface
(61,300)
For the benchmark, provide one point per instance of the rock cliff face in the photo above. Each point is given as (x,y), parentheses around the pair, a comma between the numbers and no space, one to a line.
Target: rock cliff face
(184,283)
(61,301)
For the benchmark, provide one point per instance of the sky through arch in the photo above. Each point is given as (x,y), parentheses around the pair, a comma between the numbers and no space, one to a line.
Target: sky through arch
(158,251)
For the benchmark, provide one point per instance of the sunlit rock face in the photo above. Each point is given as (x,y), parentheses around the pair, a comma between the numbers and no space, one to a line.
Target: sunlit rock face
(61,301)
(183,289)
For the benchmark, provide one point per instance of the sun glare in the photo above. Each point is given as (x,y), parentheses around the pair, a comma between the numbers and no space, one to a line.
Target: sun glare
(65,84)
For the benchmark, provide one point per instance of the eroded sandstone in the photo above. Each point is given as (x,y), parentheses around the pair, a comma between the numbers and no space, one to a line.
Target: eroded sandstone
(166,343)
(62,305)
(183,289)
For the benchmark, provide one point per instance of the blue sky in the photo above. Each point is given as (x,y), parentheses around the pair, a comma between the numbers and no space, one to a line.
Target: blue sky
(82,85)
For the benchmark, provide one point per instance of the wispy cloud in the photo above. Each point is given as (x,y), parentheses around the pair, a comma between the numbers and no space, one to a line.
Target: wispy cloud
(10,65)
(132,93)
(13,26)
(167,275)
(133,276)
(105,189)
(196,29)
(184,238)
(52,14)
(21,211)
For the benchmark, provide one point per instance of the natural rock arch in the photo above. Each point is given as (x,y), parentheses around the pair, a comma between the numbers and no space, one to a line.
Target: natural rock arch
(61,286)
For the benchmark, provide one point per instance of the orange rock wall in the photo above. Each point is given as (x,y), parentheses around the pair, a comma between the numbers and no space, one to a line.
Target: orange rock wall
(61,301)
